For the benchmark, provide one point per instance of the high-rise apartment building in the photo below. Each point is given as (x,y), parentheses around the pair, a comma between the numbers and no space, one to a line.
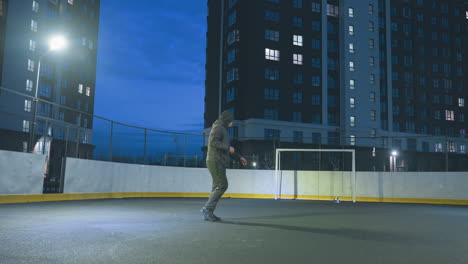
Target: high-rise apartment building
(375,75)
(67,78)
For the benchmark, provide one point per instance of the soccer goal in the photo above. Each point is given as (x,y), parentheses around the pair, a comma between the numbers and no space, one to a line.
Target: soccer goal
(350,184)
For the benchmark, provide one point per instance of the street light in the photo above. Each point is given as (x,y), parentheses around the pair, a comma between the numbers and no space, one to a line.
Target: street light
(56,43)
(393,156)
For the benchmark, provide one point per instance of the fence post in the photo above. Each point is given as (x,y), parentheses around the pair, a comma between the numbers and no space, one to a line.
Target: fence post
(66,141)
(446,154)
(110,140)
(145,147)
(185,148)
(78,136)
(44,134)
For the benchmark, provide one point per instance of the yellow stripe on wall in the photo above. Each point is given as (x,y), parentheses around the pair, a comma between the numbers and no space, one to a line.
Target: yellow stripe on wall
(8,199)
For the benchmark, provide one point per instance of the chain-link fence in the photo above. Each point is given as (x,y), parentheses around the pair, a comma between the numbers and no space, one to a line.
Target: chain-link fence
(37,125)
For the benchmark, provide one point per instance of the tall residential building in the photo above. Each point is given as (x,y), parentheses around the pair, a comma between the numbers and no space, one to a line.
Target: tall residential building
(374,75)
(67,78)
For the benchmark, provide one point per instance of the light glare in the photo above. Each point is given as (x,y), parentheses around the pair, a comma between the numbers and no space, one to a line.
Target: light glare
(57,43)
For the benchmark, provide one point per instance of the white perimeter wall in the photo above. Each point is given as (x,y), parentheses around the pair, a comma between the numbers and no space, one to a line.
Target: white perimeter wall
(21,173)
(86,176)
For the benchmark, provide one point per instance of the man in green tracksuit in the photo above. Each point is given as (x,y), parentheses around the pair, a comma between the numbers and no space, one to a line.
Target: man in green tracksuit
(218,159)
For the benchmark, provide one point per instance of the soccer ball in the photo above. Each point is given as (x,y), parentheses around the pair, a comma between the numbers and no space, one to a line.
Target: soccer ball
(337,200)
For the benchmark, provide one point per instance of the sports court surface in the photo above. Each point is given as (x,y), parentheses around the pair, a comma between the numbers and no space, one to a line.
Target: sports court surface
(159,230)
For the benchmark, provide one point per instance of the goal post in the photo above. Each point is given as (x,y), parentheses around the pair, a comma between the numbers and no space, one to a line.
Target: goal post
(279,175)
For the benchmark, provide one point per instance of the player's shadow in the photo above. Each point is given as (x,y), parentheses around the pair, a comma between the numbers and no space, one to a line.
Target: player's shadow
(351,233)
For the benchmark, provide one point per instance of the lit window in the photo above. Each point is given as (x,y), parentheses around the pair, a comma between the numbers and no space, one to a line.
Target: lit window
(88,91)
(438,147)
(351,66)
(461,102)
(372,78)
(352,102)
(372,97)
(35,6)
(29,85)
(351,84)
(449,115)
(351,12)
(80,88)
(351,30)
(351,47)
(352,140)
(461,148)
(271,54)
(30,65)
(25,126)
(373,132)
(371,43)
(34,25)
(352,121)
(297,40)
(466,14)
(27,105)
(451,146)
(297,59)
(372,115)
(371,61)
(32,45)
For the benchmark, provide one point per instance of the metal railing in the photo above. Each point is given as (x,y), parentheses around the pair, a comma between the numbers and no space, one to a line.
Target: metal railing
(62,131)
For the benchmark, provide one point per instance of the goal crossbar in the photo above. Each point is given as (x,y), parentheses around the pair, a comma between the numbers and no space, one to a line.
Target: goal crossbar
(279,176)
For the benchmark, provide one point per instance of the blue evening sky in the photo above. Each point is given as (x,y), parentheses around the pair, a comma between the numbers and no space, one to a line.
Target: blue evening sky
(151,63)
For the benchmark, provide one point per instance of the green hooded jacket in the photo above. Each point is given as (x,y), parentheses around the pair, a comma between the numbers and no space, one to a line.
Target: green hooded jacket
(218,141)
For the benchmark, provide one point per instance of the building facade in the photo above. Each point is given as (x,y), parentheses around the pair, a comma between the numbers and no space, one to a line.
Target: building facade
(66,82)
(67,78)
(376,75)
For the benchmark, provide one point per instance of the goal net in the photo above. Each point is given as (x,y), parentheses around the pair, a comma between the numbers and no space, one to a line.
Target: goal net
(322,182)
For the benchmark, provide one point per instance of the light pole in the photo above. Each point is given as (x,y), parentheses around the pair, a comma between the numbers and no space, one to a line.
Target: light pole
(393,156)
(56,43)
